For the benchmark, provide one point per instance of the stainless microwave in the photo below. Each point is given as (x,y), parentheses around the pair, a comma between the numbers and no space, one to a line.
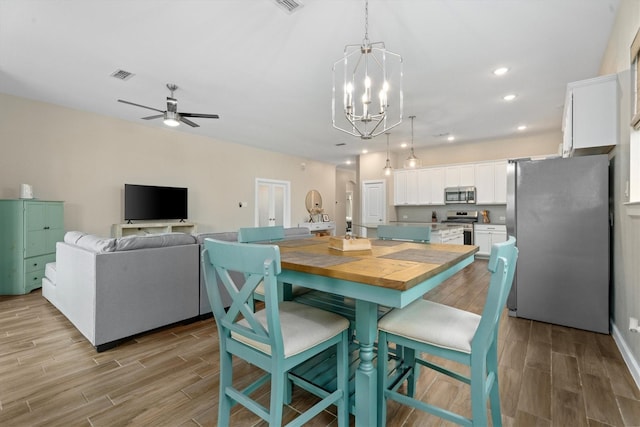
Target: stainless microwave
(460,195)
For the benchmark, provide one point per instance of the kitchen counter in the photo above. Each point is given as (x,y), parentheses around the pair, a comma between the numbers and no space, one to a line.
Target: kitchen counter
(436,228)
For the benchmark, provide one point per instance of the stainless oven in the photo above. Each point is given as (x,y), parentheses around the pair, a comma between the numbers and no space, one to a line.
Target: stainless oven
(460,195)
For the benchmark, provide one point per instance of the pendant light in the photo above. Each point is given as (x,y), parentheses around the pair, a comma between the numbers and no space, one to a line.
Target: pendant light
(387,168)
(366,70)
(412,161)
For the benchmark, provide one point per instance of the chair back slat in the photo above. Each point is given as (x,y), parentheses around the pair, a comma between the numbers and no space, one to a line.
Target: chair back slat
(404,232)
(260,263)
(260,234)
(502,265)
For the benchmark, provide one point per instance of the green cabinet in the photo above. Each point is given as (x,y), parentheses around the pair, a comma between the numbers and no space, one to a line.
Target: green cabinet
(29,230)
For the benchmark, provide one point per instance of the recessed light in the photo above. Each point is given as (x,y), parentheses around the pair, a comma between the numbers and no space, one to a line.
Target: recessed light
(500,71)
(451,138)
(403,145)
(509,97)
(348,162)
(522,127)
(365,151)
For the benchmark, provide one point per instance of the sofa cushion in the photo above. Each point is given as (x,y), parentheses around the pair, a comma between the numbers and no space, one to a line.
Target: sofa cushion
(130,243)
(90,241)
(72,237)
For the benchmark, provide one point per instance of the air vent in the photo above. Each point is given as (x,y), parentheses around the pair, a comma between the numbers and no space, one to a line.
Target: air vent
(122,74)
(289,5)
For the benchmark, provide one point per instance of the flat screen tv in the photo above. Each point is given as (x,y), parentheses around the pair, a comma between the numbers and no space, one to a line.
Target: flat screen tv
(148,202)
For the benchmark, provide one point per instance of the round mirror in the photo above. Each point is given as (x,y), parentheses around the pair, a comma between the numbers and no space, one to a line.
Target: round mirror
(314,202)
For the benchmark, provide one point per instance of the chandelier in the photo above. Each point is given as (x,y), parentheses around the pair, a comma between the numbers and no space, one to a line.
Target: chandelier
(412,161)
(387,167)
(367,70)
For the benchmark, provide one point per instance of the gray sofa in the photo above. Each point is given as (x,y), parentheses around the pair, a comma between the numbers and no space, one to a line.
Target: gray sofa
(112,289)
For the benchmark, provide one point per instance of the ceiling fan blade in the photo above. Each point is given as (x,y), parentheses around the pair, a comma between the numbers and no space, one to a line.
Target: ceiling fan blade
(138,105)
(204,116)
(157,116)
(189,122)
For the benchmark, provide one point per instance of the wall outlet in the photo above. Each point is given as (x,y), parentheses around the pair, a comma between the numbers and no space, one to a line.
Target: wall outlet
(633,325)
(404,217)
(502,218)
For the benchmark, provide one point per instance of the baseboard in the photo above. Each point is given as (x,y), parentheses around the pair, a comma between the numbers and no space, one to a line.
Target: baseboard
(631,362)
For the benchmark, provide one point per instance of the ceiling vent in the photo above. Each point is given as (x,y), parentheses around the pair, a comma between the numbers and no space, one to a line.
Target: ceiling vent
(289,5)
(122,75)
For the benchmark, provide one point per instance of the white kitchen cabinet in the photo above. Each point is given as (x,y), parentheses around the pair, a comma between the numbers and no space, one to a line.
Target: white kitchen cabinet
(431,186)
(448,236)
(491,182)
(485,235)
(405,187)
(460,175)
(590,121)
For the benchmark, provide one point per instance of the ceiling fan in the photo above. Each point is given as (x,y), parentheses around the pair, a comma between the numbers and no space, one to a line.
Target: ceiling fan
(171,115)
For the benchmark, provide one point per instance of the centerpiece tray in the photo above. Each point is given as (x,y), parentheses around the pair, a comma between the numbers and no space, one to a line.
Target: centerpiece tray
(342,243)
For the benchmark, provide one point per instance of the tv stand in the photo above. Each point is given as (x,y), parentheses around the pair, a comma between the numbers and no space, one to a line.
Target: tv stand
(129,229)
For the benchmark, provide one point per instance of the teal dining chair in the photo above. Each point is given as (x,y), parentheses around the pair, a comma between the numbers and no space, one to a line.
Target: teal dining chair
(413,233)
(260,234)
(457,335)
(275,339)
(268,235)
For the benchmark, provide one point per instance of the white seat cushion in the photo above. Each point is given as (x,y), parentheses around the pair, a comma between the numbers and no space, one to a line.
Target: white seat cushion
(433,323)
(302,326)
(50,272)
(295,290)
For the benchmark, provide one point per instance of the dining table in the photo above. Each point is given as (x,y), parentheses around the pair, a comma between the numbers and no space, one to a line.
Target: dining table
(391,274)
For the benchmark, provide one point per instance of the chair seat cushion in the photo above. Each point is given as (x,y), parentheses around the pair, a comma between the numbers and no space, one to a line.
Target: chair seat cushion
(295,290)
(303,327)
(433,323)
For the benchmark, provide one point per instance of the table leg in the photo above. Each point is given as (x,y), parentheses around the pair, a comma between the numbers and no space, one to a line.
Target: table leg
(366,376)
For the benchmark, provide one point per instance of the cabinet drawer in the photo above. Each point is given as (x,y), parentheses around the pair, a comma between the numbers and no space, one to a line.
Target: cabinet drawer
(37,262)
(33,280)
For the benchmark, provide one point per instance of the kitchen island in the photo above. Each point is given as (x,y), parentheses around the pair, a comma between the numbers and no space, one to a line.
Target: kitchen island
(440,232)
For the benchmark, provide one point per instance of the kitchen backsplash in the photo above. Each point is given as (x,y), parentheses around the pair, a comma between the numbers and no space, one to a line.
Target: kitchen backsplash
(497,213)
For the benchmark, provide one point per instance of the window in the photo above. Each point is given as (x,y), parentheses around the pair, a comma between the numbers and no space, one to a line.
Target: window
(633,185)
(635,82)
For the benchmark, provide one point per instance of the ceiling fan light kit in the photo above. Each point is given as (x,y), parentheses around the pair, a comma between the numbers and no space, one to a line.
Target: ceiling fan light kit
(171,117)
(367,70)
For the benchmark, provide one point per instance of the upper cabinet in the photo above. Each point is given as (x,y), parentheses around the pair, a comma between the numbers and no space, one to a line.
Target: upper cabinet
(425,186)
(491,182)
(419,186)
(431,186)
(590,122)
(405,187)
(460,176)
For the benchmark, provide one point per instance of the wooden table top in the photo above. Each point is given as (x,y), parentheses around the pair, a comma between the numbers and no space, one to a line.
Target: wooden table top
(389,264)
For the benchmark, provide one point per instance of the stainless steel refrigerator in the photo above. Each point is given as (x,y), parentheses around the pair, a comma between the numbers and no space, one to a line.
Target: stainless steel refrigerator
(558,210)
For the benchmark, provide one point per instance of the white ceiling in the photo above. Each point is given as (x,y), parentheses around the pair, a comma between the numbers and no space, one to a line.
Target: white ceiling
(268,72)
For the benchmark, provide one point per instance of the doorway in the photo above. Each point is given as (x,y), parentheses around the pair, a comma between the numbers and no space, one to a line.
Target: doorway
(374,201)
(273,203)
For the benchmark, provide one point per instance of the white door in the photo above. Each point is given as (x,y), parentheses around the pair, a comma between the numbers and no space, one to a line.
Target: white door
(272,205)
(374,201)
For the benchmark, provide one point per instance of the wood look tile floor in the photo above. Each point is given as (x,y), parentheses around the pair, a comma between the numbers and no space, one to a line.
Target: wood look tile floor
(51,376)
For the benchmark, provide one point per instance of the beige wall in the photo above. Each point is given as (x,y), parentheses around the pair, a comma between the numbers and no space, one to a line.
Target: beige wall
(85,159)
(625,295)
